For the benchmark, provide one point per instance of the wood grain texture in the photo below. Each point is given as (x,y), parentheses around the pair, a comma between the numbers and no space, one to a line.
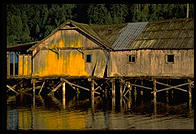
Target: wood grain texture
(152,63)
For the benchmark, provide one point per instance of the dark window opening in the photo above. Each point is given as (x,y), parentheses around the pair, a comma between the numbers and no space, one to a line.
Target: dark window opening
(132,58)
(13,63)
(170,58)
(16,64)
(89,58)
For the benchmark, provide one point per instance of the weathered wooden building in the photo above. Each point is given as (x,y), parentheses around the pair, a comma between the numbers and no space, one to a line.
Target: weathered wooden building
(154,49)
(73,49)
(157,50)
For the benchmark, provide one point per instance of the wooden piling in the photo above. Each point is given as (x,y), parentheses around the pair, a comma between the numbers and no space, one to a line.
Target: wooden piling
(190,93)
(129,87)
(135,93)
(167,96)
(154,89)
(113,94)
(34,81)
(154,97)
(113,87)
(92,95)
(63,93)
(141,91)
(121,94)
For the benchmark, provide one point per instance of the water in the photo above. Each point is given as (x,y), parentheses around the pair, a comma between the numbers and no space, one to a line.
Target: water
(129,113)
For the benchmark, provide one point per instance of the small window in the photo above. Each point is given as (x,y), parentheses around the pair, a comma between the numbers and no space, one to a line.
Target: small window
(170,58)
(89,58)
(132,58)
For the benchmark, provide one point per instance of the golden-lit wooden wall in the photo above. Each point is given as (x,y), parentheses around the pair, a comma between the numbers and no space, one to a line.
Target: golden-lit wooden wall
(24,65)
(152,63)
(64,54)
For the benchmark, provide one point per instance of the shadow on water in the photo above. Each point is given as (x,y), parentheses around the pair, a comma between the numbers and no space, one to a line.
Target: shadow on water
(129,112)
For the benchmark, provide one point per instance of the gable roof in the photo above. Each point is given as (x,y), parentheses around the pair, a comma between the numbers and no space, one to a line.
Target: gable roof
(84,28)
(167,34)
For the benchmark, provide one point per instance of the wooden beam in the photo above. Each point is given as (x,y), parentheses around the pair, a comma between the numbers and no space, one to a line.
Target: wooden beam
(41,87)
(57,87)
(12,89)
(141,86)
(170,86)
(72,84)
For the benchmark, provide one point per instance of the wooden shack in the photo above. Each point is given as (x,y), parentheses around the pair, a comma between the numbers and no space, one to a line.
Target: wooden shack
(73,49)
(162,49)
(154,49)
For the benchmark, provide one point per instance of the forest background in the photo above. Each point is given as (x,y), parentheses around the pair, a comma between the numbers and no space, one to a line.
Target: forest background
(33,22)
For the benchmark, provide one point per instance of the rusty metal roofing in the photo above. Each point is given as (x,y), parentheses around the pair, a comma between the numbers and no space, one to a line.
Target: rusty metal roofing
(167,34)
(128,35)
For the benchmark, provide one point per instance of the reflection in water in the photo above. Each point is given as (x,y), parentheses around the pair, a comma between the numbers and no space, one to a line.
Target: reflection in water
(53,113)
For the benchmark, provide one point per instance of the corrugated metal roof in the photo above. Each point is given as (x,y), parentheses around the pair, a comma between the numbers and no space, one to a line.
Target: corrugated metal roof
(128,35)
(168,34)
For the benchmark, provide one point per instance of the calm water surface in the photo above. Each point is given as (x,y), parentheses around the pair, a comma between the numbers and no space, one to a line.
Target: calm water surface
(78,113)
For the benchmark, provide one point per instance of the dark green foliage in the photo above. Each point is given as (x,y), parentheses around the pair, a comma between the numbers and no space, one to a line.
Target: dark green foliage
(31,22)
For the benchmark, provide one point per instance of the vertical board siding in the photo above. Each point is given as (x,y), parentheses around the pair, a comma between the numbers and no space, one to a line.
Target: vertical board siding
(152,63)
(24,65)
(68,38)
(58,60)
(69,63)
(21,65)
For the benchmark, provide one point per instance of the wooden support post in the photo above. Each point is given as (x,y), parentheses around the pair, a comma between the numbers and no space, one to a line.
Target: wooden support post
(78,93)
(113,87)
(154,91)
(92,95)
(113,94)
(129,87)
(190,93)
(121,89)
(34,81)
(63,94)
(141,91)
(167,96)
(135,93)
(121,94)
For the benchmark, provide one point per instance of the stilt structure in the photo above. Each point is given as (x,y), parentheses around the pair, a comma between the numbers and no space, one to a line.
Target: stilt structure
(33,81)
(92,95)
(121,93)
(190,93)
(155,97)
(63,93)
